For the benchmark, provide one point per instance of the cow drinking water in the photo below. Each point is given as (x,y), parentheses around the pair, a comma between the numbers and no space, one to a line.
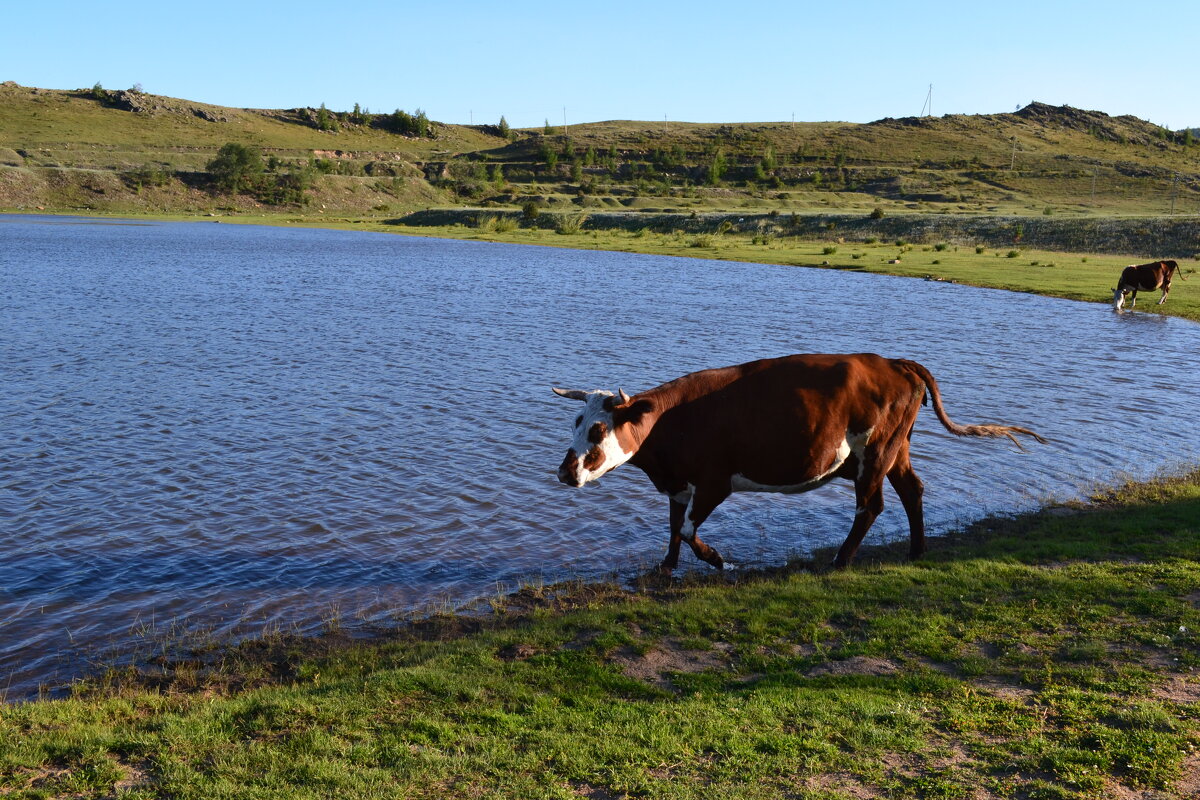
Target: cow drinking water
(784,425)
(1146,277)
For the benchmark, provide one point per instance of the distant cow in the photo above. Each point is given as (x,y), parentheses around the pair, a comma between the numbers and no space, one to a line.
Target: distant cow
(1146,277)
(784,425)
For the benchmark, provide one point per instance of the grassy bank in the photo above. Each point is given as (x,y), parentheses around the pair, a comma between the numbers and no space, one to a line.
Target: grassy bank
(1049,656)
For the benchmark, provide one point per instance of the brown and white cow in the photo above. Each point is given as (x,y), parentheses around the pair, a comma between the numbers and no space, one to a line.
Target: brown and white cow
(1146,277)
(785,425)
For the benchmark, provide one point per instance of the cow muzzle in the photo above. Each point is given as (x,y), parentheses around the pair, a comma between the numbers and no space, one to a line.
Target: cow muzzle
(568,471)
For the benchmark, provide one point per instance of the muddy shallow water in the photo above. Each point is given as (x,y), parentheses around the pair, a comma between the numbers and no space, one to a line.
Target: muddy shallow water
(236,426)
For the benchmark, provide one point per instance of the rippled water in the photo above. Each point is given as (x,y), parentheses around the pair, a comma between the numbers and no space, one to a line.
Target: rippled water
(234,426)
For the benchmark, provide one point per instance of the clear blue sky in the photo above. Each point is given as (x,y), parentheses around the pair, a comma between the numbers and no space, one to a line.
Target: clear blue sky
(855,60)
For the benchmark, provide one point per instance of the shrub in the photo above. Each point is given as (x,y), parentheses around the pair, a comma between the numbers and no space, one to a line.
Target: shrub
(828,250)
(901,243)
(570,224)
(1013,254)
(979,249)
(530,211)
(876,213)
(940,246)
(236,167)
(704,240)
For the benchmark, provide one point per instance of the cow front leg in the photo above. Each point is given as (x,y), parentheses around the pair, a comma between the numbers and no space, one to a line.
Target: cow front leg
(704,501)
(1132,299)
(671,560)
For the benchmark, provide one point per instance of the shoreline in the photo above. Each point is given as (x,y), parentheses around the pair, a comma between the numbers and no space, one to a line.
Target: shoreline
(182,662)
(1046,655)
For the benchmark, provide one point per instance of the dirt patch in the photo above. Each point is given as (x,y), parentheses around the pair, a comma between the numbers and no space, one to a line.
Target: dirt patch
(1003,690)
(859,665)
(593,793)
(1180,689)
(670,657)
(1189,784)
(517,652)
(842,782)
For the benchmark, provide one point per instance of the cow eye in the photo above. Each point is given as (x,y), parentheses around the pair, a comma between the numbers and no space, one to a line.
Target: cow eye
(597,433)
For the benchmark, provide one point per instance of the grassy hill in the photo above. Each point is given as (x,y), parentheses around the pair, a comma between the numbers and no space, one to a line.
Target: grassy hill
(127,151)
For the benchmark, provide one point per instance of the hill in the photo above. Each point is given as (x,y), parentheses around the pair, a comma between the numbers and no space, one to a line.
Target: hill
(129,151)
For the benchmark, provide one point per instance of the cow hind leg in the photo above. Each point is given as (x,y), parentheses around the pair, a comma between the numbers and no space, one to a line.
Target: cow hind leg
(868,492)
(910,490)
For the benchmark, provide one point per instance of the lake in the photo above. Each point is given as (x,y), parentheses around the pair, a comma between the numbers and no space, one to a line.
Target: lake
(232,428)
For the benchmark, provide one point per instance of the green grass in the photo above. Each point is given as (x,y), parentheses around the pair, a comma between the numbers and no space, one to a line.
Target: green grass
(1049,656)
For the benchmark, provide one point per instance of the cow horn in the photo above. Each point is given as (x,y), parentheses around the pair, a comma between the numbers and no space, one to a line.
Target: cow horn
(570,394)
(624,397)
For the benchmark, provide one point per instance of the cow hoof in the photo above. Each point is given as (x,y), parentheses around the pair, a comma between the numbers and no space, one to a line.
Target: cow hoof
(716,560)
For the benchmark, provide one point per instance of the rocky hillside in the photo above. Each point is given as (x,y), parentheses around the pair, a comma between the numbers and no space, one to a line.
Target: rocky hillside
(127,151)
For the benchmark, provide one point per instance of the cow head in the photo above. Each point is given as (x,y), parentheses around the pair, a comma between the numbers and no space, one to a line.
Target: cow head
(604,435)
(1118,299)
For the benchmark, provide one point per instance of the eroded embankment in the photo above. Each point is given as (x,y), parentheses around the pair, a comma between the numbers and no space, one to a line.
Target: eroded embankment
(1155,237)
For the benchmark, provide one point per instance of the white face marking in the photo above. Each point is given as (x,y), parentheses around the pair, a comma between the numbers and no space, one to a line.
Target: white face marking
(614,456)
(1118,299)
(855,443)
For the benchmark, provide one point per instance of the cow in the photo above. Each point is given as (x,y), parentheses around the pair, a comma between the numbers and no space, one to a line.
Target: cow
(785,425)
(1147,277)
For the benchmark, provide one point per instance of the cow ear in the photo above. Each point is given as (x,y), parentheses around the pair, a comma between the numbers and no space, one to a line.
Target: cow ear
(570,394)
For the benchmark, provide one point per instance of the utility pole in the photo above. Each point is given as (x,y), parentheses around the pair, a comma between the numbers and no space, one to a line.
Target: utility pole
(1174,190)
(1093,187)
(564,120)
(1013,162)
(928,103)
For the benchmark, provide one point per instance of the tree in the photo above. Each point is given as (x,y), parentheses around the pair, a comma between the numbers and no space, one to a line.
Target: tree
(717,168)
(325,120)
(505,131)
(236,167)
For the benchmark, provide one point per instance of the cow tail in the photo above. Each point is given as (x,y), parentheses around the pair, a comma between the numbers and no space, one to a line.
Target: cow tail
(1178,270)
(986,431)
